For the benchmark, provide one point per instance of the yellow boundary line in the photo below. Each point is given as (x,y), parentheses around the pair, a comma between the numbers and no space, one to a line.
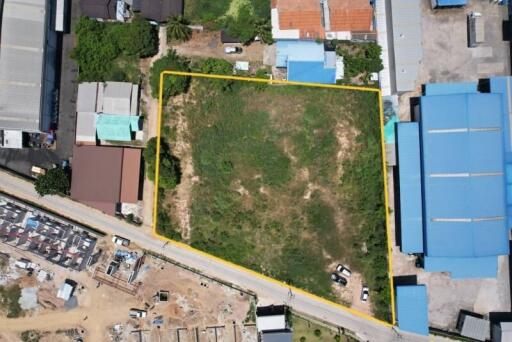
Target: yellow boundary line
(249,271)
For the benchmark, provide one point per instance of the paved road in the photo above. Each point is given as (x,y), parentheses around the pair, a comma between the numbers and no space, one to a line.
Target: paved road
(367,330)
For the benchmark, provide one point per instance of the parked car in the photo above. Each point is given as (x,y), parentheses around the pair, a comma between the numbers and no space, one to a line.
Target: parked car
(338,279)
(137,313)
(343,270)
(121,241)
(365,293)
(232,50)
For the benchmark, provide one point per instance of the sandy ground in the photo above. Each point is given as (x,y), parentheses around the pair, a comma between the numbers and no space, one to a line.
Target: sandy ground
(208,44)
(151,109)
(194,303)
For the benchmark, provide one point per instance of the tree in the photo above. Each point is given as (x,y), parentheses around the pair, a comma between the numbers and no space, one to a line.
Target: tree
(216,66)
(54,182)
(177,29)
(173,85)
(169,170)
(242,26)
(263,29)
(139,38)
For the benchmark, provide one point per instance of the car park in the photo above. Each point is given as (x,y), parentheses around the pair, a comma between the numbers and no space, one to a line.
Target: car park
(120,241)
(343,270)
(338,279)
(365,293)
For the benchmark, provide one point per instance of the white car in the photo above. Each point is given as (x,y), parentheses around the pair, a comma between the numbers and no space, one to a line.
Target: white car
(343,270)
(121,241)
(229,50)
(365,293)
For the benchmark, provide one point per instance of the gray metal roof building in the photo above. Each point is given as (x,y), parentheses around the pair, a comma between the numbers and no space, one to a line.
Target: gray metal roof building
(27,65)
(407,48)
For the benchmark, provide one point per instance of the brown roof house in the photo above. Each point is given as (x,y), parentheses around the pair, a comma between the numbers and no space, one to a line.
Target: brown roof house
(105,177)
(320,19)
(99,9)
(160,10)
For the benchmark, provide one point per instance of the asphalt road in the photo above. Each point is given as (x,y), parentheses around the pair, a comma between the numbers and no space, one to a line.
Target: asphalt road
(267,290)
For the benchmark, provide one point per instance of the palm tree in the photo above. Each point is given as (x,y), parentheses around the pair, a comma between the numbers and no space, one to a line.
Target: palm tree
(177,28)
(263,29)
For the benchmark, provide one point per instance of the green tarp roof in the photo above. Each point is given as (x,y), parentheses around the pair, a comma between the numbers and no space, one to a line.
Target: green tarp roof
(116,127)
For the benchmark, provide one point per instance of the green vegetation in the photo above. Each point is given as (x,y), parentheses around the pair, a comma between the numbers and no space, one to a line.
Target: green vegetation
(54,182)
(177,29)
(169,171)
(244,19)
(309,331)
(172,85)
(361,59)
(110,51)
(9,297)
(31,336)
(283,172)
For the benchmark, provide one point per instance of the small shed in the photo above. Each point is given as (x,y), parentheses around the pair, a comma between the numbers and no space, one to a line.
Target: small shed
(66,289)
(226,38)
(474,326)
(412,308)
(271,318)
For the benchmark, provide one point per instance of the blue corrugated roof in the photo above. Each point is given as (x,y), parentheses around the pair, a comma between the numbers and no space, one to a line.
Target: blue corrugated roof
(442,3)
(463,175)
(463,268)
(411,212)
(310,72)
(298,51)
(451,88)
(116,127)
(412,308)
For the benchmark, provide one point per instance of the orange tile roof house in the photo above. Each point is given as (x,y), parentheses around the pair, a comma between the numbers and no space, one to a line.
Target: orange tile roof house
(312,19)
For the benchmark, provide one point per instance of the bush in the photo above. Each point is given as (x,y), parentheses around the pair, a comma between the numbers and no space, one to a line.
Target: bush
(177,29)
(215,66)
(361,59)
(9,297)
(54,182)
(318,332)
(100,44)
(169,171)
(173,85)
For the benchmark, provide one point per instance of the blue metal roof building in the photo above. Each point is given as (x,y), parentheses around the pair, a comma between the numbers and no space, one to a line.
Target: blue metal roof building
(463,200)
(306,61)
(412,308)
(451,3)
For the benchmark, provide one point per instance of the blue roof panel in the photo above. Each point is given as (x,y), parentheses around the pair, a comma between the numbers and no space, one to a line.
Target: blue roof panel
(411,212)
(310,72)
(464,268)
(442,3)
(412,308)
(451,88)
(464,178)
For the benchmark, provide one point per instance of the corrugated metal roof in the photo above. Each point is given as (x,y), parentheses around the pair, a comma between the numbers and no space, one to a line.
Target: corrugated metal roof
(282,336)
(476,328)
(463,268)
(451,88)
(87,97)
(21,63)
(412,308)
(86,127)
(298,51)
(116,127)
(130,175)
(441,3)
(411,211)
(463,175)
(313,72)
(408,51)
(117,98)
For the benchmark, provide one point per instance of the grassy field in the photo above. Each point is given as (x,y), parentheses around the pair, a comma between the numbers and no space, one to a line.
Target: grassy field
(288,182)
(307,331)
(207,11)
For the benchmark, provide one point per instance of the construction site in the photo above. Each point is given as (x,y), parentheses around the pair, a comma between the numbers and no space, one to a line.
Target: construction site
(97,290)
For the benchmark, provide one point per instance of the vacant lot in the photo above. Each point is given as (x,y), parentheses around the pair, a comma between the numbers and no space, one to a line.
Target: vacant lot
(285,180)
